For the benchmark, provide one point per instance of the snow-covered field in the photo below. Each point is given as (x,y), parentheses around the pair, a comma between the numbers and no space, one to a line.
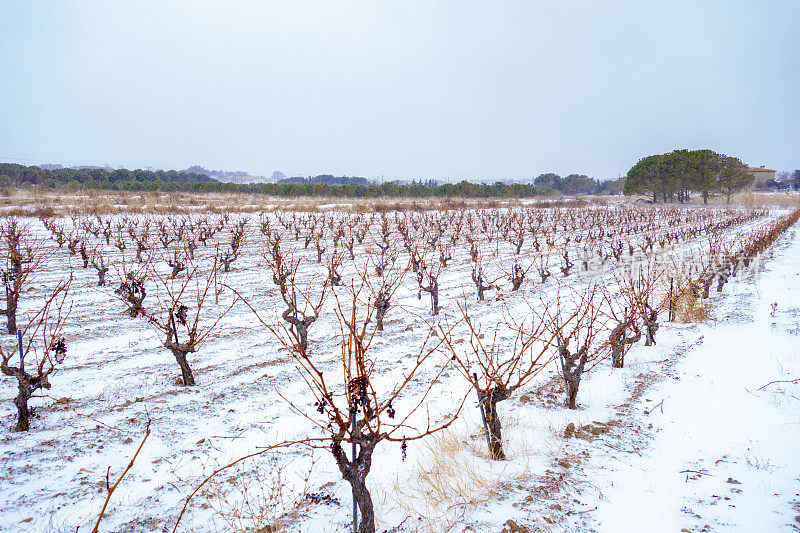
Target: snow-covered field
(689,434)
(707,438)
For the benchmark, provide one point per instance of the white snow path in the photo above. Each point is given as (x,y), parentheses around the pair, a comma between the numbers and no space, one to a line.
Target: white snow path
(739,444)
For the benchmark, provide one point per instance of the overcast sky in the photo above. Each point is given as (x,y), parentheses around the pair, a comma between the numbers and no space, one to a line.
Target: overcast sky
(400,89)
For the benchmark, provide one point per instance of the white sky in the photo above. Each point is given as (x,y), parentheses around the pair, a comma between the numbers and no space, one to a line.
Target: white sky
(400,89)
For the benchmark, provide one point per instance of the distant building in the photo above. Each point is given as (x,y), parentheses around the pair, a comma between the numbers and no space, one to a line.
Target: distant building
(761,175)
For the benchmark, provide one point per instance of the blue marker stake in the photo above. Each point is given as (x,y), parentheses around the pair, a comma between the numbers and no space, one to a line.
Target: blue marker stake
(19,342)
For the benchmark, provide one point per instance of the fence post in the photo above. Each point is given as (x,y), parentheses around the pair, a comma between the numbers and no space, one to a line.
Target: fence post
(19,342)
(355,466)
(294,305)
(216,290)
(671,302)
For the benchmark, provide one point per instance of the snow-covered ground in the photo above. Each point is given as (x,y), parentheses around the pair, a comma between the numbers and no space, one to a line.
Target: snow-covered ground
(653,448)
(712,443)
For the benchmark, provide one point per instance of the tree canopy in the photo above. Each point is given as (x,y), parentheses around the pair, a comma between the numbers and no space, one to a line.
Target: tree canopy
(97,178)
(570,185)
(677,174)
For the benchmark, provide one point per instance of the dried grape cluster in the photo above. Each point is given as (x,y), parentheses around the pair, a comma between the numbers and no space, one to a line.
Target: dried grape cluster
(131,288)
(358,394)
(60,349)
(320,406)
(180,314)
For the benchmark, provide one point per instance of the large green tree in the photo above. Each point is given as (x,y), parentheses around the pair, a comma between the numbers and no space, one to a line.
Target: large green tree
(704,169)
(678,173)
(548,181)
(643,178)
(733,176)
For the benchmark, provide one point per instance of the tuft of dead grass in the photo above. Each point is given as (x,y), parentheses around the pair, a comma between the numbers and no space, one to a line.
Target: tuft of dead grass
(689,308)
(457,477)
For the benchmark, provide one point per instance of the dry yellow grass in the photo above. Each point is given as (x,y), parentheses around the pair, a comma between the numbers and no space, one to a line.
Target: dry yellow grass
(47,202)
(31,202)
(689,308)
(760,199)
(457,476)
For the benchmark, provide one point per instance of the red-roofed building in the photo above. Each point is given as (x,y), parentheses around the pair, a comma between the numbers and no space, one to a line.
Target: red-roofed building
(762,175)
